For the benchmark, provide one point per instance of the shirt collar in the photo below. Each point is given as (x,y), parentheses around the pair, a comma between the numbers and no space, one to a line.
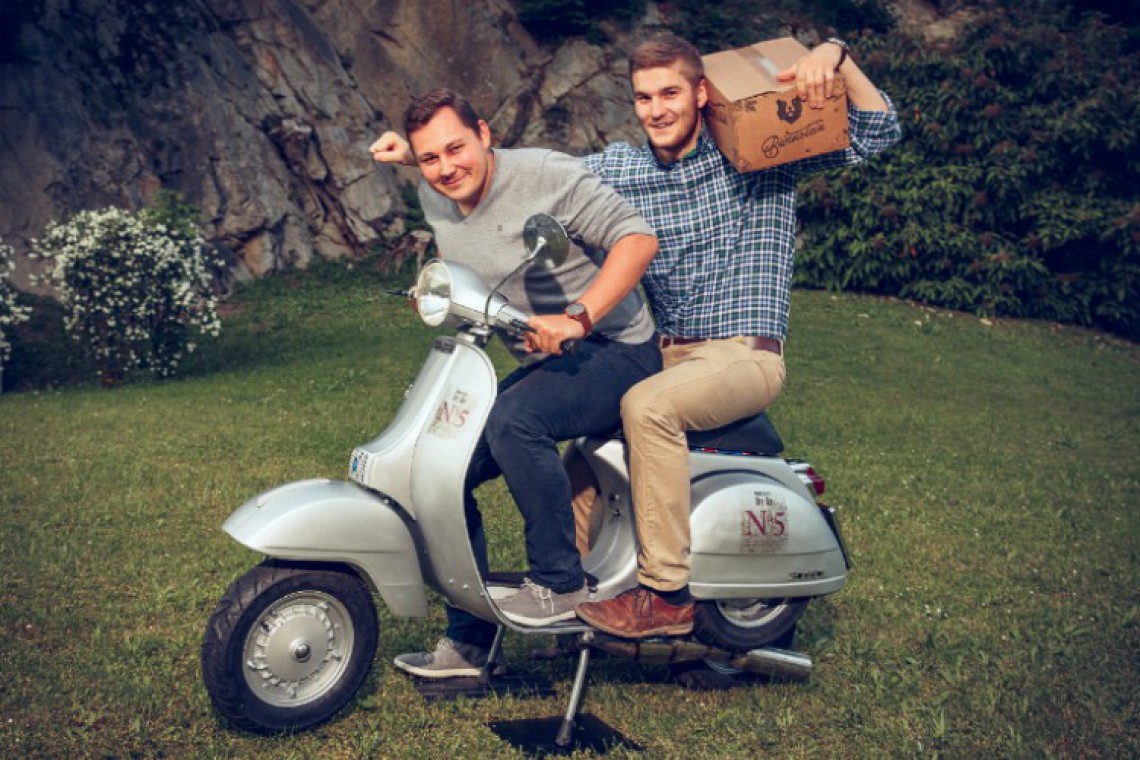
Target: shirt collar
(704,144)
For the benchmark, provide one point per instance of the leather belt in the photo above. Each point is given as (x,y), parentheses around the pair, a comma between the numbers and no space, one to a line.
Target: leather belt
(755,342)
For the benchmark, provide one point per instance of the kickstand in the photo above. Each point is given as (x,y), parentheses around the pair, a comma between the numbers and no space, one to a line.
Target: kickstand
(566,730)
(488,668)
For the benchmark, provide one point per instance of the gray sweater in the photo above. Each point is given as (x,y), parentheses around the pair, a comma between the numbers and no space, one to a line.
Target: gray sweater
(527,181)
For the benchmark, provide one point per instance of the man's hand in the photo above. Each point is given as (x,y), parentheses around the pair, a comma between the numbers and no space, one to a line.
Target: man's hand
(391,148)
(815,74)
(550,331)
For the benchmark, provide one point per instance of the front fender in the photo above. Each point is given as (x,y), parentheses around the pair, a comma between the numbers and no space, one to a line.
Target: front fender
(335,521)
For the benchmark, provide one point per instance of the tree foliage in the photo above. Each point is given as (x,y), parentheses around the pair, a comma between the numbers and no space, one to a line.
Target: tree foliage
(1015,189)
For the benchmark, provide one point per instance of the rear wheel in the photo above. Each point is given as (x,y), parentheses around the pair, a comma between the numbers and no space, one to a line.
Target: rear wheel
(288,646)
(737,625)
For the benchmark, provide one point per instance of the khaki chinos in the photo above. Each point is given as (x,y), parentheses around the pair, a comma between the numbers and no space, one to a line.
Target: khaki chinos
(704,385)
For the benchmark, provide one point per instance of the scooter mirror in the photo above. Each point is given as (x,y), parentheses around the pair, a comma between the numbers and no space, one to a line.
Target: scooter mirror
(546,241)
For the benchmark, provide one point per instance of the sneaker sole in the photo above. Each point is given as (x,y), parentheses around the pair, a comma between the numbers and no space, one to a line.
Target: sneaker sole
(535,622)
(450,673)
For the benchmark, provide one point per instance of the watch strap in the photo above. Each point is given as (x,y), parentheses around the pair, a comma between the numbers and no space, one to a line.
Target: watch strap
(578,312)
(844,50)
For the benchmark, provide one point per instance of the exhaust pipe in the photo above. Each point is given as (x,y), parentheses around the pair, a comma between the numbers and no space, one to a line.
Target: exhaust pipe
(770,661)
(767,661)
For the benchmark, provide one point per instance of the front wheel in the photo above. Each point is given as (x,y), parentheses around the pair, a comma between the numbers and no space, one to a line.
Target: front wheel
(288,646)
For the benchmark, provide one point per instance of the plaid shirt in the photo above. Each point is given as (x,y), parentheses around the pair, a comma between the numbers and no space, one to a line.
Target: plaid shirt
(727,238)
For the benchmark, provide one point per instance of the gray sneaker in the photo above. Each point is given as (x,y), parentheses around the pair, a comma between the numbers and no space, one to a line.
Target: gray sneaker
(451,659)
(537,605)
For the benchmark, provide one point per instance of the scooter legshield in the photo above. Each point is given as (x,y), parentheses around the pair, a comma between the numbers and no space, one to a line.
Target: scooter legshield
(335,521)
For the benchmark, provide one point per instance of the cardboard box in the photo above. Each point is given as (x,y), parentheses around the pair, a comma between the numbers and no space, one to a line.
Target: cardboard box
(758,122)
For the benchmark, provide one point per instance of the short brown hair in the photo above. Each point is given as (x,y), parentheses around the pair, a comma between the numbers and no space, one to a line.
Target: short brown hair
(665,49)
(427,104)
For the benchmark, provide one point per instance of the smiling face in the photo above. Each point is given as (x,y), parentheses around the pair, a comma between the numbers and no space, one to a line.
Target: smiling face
(669,109)
(455,159)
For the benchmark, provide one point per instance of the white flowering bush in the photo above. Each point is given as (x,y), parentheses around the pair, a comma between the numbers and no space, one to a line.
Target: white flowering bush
(11,313)
(135,288)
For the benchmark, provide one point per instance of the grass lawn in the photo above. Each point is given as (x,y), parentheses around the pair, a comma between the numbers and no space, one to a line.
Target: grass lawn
(987,477)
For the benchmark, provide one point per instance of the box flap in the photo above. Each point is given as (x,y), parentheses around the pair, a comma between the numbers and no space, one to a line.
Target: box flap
(752,70)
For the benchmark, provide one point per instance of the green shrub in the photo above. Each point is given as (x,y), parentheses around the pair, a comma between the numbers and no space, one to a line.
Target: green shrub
(735,23)
(1016,189)
(134,287)
(554,20)
(11,312)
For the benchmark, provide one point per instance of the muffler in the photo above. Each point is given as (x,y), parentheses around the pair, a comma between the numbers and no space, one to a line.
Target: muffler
(770,661)
(767,661)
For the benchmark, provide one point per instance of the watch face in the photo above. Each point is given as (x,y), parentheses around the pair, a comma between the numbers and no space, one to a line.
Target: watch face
(575,310)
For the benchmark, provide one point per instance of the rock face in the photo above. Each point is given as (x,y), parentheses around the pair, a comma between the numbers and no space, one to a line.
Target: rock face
(260,112)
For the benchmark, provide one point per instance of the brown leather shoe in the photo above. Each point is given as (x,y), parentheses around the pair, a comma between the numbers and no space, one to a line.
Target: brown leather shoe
(637,614)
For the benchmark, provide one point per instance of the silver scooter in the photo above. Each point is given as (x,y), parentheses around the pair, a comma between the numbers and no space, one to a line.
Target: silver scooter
(293,639)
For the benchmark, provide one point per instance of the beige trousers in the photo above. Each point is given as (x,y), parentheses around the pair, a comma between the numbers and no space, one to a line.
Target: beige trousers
(703,386)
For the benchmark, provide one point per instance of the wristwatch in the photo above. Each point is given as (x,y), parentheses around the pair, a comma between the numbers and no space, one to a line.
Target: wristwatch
(577,312)
(844,50)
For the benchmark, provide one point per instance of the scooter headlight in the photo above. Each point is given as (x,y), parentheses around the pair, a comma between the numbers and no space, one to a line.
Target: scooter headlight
(433,293)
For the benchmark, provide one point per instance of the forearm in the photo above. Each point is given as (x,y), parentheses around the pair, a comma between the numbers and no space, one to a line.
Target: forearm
(861,91)
(622,270)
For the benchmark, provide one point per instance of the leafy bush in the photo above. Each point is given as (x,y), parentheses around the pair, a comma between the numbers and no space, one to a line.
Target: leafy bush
(134,287)
(735,23)
(1015,189)
(11,312)
(557,19)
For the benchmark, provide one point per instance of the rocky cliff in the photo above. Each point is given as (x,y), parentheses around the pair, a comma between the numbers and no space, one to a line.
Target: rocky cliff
(260,112)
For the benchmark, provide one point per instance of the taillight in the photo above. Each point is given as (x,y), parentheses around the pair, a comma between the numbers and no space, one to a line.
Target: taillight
(815,480)
(809,476)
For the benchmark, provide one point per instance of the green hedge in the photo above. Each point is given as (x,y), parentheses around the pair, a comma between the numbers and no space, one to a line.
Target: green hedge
(1016,188)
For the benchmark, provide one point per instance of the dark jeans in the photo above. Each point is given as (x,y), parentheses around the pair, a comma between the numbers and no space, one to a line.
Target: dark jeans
(559,398)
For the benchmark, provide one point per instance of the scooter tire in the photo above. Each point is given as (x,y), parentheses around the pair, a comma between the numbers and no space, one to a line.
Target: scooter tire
(743,625)
(288,646)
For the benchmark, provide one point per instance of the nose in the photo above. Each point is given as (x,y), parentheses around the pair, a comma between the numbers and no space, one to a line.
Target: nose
(445,166)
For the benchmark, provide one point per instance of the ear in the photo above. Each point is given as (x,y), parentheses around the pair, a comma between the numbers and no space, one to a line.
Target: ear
(484,134)
(702,93)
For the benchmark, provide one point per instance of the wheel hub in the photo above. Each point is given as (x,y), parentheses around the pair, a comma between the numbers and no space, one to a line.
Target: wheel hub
(298,648)
(749,613)
(302,650)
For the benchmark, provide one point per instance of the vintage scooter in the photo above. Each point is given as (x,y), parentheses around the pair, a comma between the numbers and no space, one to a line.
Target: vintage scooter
(293,639)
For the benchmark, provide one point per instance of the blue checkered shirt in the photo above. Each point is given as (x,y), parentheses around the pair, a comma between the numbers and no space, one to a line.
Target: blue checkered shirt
(727,238)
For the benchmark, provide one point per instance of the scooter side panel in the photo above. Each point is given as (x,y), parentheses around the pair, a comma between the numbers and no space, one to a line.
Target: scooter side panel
(752,536)
(336,521)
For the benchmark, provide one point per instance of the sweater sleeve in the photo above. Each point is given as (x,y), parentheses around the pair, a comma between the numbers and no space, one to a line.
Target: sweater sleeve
(592,211)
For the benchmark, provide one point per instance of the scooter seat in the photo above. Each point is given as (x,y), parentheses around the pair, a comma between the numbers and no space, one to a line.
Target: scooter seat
(751,435)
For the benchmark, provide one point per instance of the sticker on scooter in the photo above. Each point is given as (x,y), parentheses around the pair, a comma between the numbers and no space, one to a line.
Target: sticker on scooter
(358,465)
(765,526)
(452,414)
